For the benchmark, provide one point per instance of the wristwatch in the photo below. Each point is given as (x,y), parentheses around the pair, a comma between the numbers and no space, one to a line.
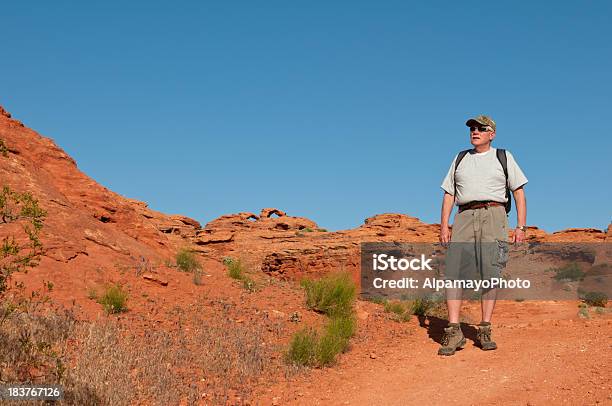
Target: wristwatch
(522,228)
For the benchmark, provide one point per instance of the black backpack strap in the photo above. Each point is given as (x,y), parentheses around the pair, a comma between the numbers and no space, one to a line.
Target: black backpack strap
(460,156)
(503,160)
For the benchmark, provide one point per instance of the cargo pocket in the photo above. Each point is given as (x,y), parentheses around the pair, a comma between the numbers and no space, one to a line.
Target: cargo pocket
(501,256)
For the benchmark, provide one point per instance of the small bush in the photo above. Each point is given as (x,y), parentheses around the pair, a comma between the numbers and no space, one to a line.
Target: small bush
(598,299)
(114,299)
(332,295)
(401,311)
(248,283)
(235,268)
(303,348)
(342,326)
(186,260)
(15,255)
(307,348)
(329,347)
(421,306)
(570,272)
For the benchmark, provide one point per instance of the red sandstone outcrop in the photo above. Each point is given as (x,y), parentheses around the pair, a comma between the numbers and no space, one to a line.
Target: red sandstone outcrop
(88,222)
(84,218)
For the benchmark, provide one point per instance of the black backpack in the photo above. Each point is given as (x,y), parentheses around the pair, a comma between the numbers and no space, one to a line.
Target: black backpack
(503,160)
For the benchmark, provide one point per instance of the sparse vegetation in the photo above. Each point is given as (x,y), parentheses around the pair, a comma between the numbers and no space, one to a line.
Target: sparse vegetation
(114,299)
(310,348)
(598,299)
(375,299)
(400,311)
(569,272)
(303,347)
(186,260)
(332,295)
(236,270)
(248,283)
(15,255)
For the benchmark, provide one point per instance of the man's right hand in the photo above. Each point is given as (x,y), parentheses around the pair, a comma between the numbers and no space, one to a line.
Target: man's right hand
(445,234)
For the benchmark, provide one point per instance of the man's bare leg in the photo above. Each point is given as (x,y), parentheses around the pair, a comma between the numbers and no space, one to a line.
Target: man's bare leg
(487,304)
(453,302)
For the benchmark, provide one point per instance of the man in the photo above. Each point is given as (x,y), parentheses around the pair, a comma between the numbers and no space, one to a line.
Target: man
(478,186)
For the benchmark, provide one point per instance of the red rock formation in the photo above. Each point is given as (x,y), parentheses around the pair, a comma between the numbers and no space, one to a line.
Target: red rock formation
(95,227)
(84,218)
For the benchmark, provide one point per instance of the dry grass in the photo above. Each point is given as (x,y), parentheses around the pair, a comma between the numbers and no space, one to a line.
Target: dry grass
(101,362)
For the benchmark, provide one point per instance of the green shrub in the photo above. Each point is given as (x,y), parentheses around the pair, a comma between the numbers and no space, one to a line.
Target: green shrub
(401,311)
(307,348)
(422,306)
(342,326)
(186,260)
(235,269)
(248,283)
(303,348)
(114,299)
(329,347)
(376,299)
(570,272)
(332,295)
(599,299)
(15,255)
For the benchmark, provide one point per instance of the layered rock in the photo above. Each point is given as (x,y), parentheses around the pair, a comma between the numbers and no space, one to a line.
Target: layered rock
(84,219)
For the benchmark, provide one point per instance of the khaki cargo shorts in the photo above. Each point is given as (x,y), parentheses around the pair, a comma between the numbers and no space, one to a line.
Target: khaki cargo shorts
(479,244)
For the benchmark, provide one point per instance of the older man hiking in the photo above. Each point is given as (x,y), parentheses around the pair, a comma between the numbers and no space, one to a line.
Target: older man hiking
(480,181)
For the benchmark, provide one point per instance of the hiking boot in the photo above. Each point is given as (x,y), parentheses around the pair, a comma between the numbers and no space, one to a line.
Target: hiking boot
(452,340)
(484,337)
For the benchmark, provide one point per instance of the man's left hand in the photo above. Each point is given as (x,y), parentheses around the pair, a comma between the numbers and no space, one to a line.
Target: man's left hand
(518,236)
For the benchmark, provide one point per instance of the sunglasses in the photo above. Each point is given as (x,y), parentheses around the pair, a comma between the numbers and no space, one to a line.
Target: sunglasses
(481,129)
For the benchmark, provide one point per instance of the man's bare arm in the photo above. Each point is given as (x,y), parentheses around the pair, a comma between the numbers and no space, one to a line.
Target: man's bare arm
(447,208)
(521,214)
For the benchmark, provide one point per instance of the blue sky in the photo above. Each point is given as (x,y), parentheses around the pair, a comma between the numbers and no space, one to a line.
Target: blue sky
(334,111)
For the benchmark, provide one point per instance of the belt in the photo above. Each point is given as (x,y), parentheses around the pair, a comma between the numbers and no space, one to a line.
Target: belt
(478,205)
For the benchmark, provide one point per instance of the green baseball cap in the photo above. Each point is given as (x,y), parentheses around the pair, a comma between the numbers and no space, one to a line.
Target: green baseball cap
(482,120)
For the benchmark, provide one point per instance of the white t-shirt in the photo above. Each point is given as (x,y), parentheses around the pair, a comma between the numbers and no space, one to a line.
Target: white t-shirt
(480,176)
